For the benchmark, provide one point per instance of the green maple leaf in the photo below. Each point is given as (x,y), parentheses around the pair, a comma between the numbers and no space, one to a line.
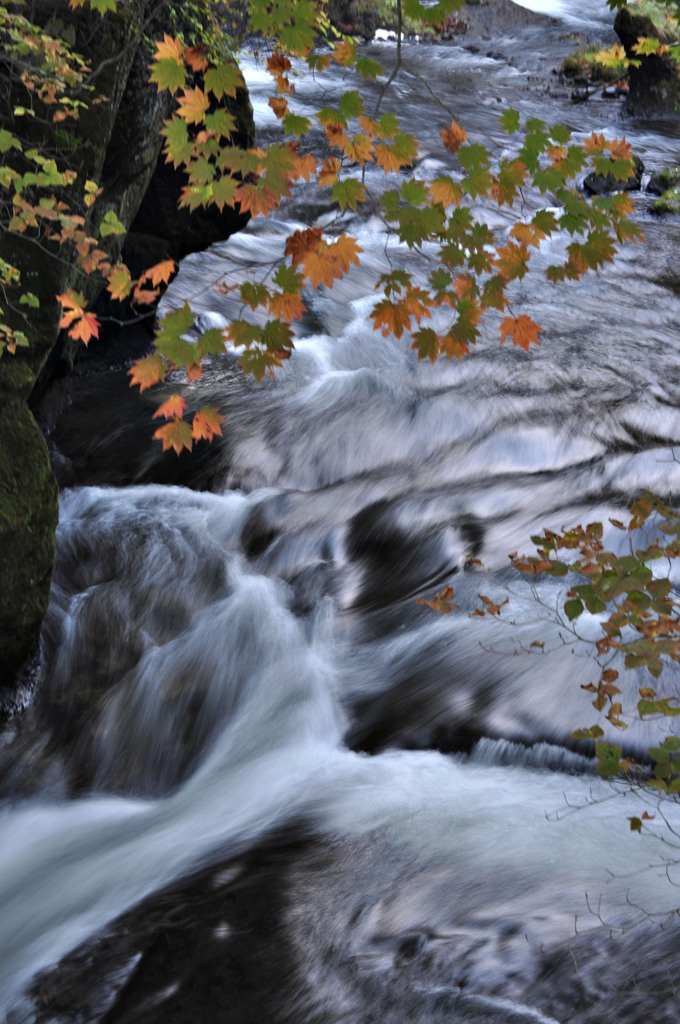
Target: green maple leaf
(177,145)
(509,121)
(368,68)
(348,192)
(223,80)
(426,344)
(168,74)
(351,104)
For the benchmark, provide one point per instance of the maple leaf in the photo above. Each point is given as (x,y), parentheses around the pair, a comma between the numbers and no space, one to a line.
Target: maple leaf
(206,423)
(195,56)
(176,434)
(345,52)
(359,149)
(81,325)
(386,158)
(279,105)
(595,144)
(286,307)
(522,330)
(255,198)
(446,191)
(300,243)
(330,169)
(305,166)
(160,273)
(513,260)
(349,192)
(146,372)
(223,80)
(441,602)
(427,344)
(144,296)
(453,137)
(192,105)
(169,48)
(173,408)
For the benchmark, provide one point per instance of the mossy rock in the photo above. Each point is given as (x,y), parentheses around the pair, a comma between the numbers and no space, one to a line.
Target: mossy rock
(669,202)
(662,181)
(28,520)
(583,63)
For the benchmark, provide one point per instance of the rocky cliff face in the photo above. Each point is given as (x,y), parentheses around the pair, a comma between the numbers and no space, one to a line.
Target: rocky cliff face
(654,83)
(115,142)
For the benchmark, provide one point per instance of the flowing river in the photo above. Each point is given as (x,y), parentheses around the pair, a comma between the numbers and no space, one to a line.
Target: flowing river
(260,782)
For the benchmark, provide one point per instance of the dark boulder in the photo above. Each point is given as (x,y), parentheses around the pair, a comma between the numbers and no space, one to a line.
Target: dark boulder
(602,184)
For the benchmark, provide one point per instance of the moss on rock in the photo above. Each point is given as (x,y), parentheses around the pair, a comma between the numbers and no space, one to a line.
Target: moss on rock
(669,202)
(28,520)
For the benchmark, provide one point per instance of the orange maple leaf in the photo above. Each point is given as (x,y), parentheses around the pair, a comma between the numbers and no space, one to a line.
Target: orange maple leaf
(512,260)
(286,307)
(192,105)
(173,408)
(344,52)
(336,135)
(206,423)
(194,372)
(527,234)
(595,144)
(521,330)
(255,198)
(620,149)
(175,434)
(146,372)
(305,166)
(445,191)
(279,105)
(385,158)
(453,137)
(160,273)
(359,149)
(195,56)
(300,243)
(81,325)
(327,263)
(328,175)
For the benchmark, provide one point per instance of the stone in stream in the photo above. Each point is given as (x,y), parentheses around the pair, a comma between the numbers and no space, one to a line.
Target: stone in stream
(601,184)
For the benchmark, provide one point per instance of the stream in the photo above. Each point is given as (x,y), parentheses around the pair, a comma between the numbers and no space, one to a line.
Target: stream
(262,784)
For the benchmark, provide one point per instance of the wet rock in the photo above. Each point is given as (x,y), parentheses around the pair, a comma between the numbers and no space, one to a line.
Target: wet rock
(601,184)
(662,181)
(669,202)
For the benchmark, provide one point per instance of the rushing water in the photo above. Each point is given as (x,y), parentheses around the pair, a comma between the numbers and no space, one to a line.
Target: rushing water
(311,798)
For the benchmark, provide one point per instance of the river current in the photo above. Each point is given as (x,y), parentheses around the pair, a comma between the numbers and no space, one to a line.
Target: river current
(260,782)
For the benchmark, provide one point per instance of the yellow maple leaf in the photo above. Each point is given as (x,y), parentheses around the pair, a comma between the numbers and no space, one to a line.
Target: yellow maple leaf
(192,105)
(169,49)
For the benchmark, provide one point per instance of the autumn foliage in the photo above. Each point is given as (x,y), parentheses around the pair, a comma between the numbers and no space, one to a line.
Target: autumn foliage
(473,270)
